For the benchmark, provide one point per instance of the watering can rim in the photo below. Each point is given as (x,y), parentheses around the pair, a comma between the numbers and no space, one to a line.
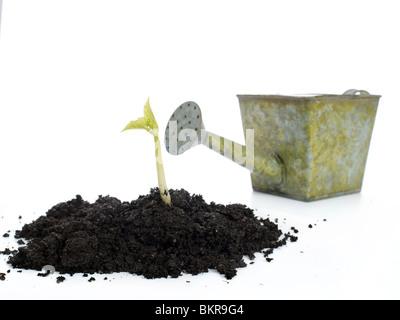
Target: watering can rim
(308,97)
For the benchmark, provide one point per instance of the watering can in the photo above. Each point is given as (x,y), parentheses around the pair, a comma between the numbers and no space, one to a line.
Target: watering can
(306,147)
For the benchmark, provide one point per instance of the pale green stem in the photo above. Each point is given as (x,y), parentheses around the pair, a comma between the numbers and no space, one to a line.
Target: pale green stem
(162,184)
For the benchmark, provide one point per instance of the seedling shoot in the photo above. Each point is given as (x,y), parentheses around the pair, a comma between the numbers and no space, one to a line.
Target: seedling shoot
(149,123)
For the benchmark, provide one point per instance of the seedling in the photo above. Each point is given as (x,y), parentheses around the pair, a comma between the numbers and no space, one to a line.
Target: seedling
(149,123)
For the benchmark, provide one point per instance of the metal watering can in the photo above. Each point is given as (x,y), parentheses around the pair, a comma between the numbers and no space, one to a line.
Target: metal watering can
(307,147)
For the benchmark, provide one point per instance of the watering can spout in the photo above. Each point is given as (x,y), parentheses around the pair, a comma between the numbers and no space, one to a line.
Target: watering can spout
(269,166)
(186,130)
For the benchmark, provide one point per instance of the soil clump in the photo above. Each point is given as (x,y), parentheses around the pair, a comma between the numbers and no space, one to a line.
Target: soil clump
(146,237)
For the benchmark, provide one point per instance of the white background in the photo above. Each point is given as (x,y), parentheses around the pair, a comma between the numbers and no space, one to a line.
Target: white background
(74,73)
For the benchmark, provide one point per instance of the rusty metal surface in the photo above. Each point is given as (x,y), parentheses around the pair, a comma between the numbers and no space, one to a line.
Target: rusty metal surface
(322,140)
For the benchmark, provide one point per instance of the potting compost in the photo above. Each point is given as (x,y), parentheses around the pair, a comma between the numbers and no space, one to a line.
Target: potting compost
(146,237)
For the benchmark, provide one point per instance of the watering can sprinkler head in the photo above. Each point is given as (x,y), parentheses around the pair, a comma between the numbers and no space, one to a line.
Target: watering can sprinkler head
(185,130)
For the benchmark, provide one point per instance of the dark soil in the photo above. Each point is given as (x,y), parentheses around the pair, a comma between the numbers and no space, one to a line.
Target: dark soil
(146,237)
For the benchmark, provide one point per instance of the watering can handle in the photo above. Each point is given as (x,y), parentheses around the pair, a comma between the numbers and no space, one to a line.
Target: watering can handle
(356,92)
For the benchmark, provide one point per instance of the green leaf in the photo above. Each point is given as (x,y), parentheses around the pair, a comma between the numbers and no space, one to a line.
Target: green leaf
(140,123)
(148,122)
(148,114)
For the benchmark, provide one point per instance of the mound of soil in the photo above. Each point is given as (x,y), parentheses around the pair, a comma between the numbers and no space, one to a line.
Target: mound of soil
(146,237)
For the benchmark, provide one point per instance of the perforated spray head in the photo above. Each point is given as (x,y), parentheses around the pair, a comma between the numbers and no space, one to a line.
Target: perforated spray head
(184,128)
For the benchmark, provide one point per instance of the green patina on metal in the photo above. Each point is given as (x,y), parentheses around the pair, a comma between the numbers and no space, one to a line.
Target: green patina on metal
(321,142)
